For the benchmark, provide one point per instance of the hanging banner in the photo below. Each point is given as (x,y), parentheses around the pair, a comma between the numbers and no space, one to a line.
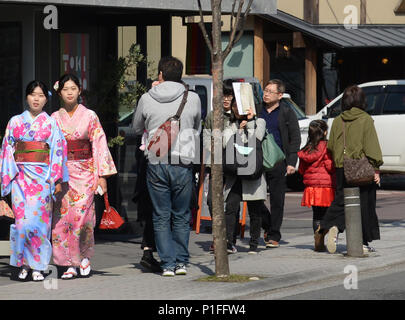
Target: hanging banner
(75,56)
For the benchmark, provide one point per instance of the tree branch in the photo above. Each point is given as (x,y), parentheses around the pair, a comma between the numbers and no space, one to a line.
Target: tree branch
(203,30)
(238,26)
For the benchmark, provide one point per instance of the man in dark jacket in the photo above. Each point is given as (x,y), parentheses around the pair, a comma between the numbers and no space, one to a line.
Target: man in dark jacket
(282,122)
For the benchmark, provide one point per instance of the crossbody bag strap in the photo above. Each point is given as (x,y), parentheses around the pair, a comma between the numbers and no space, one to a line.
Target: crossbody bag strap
(344,138)
(183,102)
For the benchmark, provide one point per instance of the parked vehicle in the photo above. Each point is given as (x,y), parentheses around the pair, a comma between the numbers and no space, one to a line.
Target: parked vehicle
(386,105)
(202,85)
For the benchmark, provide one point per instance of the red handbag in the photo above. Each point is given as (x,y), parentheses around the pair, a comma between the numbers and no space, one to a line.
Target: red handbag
(166,134)
(111,219)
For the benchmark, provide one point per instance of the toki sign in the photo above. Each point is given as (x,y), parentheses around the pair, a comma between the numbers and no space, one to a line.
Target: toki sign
(75,56)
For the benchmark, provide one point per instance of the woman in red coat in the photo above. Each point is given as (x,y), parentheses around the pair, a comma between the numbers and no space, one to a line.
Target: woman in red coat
(317,168)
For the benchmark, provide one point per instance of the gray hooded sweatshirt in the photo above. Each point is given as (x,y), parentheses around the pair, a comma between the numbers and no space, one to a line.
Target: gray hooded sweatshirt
(162,102)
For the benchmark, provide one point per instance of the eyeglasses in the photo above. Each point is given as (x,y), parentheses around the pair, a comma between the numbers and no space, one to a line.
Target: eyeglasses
(269,92)
(228,97)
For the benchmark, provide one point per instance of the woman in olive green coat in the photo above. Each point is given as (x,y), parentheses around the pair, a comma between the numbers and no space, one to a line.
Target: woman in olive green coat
(361,139)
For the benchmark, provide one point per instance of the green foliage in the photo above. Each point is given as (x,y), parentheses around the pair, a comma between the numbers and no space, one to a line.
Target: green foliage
(129,91)
(118,140)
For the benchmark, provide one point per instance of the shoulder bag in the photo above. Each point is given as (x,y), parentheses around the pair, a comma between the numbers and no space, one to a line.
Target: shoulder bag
(243,159)
(358,172)
(167,133)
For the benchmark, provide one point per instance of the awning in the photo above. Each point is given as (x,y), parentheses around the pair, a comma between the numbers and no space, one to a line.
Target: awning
(258,6)
(365,36)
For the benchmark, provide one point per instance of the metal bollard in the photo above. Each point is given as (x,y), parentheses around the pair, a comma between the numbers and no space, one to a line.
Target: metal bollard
(354,233)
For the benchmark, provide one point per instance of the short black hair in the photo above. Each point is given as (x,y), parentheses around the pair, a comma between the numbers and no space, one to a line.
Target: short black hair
(354,96)
(279,83)
(36,83)
(65,78)
(227,88)
(171,68)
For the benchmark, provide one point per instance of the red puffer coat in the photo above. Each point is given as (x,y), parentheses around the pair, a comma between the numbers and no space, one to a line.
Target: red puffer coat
(317,167)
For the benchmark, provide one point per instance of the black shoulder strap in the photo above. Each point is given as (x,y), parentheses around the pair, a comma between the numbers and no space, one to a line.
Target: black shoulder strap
(183,102)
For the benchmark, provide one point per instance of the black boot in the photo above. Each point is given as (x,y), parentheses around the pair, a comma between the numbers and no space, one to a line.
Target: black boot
(149,262)
(316,224)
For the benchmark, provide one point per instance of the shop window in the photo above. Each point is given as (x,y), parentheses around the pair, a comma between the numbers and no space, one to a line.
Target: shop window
(10,72)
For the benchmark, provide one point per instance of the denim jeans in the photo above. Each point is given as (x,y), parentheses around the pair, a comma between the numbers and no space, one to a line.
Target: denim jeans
(170,189)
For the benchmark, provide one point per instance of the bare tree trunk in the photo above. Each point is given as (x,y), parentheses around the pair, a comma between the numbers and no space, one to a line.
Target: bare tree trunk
(217,58)
(218,224)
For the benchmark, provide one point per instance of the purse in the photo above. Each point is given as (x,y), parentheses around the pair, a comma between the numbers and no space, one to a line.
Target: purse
(243,159)
(272,153)
(111,219)
(358,172)
(165,136)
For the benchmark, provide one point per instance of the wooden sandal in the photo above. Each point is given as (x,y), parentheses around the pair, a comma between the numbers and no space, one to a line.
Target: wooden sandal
(22,275)
(69,274)
(37,276)
(85,269)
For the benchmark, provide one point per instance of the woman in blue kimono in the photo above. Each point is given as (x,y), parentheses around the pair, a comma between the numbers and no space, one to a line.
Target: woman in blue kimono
(32,167)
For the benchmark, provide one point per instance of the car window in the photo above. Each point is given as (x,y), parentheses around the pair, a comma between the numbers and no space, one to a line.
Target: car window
(202,93)
(335,109)
(257,92)
(126,121)
(395,102)
(298,112)
(374,99)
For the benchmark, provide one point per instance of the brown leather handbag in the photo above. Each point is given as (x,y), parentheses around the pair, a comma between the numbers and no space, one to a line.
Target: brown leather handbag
(358,172)
(167,133)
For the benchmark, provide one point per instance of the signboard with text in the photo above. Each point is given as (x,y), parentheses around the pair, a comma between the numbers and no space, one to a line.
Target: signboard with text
(75,56)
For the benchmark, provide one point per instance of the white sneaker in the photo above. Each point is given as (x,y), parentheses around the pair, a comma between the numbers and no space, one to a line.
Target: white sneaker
(181,269)
(331,244)
(168,273)
(368,249)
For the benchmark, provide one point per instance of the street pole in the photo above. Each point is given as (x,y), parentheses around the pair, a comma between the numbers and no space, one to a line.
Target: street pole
(354,233)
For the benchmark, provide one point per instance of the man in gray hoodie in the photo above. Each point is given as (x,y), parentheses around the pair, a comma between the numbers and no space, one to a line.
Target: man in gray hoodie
(170,180)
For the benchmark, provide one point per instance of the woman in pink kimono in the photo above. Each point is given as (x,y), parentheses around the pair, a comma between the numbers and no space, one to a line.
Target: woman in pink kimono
(89,164)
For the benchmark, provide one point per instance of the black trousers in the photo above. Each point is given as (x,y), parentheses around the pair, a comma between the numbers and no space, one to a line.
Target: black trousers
(144,203)
(232,209)
(335,215)
(277,184)
(317,216)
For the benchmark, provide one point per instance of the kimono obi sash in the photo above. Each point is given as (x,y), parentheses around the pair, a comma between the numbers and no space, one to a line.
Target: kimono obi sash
(31,151)
(79,149)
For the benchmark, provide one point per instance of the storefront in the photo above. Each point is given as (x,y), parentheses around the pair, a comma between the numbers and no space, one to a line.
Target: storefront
(88,39)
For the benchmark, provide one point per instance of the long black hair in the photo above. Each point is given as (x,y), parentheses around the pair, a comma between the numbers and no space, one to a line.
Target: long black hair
(36,83)
(65,78)
(316,133)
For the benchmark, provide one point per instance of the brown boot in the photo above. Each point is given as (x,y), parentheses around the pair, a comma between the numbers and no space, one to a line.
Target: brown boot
(319,237)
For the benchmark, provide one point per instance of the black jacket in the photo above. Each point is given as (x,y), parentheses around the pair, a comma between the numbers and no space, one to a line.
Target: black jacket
(289,131)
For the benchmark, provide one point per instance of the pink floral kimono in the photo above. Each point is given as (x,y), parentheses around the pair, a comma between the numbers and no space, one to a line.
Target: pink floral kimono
(74,216)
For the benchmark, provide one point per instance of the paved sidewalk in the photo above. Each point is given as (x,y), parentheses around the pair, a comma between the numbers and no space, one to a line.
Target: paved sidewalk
(118,275)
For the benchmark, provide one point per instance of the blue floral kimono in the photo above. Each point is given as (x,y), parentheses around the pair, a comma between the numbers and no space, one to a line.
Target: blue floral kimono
(32,185)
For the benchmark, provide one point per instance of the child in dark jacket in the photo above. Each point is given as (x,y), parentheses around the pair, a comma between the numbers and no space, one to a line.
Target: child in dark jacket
(316,166)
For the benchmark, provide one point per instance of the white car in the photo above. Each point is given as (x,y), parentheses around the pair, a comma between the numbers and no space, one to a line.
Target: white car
(386,105)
